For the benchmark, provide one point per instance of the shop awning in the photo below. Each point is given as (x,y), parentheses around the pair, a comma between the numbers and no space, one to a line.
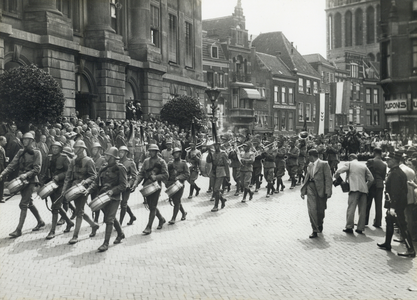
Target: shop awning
(250,94)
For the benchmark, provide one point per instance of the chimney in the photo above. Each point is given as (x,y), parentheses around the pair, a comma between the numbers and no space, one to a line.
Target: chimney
(292,48)
(278,54)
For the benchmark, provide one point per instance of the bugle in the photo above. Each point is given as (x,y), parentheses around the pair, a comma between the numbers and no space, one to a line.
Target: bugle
(197,146)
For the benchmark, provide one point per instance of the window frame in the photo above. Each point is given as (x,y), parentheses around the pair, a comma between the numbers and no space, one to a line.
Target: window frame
(283,95)
(368,96)
(300,110)
(276,94)
(301,85)
(290,95)
(189,44)
(307,112)
(172,38)
(155,26)
(375,98)
(308,87)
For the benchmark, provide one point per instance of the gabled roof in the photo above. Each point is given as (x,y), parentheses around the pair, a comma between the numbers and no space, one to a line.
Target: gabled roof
(219,26)
(275,42)
(273,64)
(207,43)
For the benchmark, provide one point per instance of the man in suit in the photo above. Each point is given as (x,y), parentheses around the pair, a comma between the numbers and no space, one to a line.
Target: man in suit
(360,179)
(318,188)
(379,170)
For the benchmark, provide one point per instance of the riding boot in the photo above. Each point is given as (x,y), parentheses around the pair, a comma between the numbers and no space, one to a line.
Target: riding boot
(282,185)
(244,195)
(223,200)
(148,229)
(96,215)
(250,194)
(237,190)
(105,246)
(89,221)
(51,234)
(216,196)
(197,189)
(120,233)
(66,219)
(77,228)
(161,219)
(191,191)
(73,216)
(18,231)
(35,212)
(131,215)
(122,215)
(174,214)
(268,189)
(272,189)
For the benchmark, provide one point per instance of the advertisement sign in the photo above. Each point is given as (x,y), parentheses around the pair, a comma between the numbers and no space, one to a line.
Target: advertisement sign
(396,106)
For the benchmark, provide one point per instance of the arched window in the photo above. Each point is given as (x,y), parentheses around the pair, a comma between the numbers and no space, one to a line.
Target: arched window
(370,25)
(348,29)
(358,27)
(338,30)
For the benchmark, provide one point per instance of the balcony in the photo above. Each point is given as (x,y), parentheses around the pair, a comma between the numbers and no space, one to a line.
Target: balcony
(241,113)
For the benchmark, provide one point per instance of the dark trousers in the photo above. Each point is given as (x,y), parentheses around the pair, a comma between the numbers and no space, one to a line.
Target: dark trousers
(402,225)
(1,189)
(374,194)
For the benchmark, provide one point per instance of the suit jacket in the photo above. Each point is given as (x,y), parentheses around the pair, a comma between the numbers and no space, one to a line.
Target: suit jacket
(322,179)
(411,176)
(379,170)
(359,176)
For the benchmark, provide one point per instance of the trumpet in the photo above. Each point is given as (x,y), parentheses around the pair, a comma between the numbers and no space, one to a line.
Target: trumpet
(197,146)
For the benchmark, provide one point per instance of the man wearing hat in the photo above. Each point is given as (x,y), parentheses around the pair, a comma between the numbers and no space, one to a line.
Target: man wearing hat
(28,163)
(220,170)
(193,157)
(177,171)
(396,202)
(280,164)
(111,180)
(56,167)
(360,179)
(81,171)
(318,188)
(167,153)
(99,161)
(149,174)
(379,170)
(132,174)
(247,159)
(292,161)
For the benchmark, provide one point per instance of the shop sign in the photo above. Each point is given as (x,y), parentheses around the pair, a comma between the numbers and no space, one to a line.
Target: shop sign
(395,106)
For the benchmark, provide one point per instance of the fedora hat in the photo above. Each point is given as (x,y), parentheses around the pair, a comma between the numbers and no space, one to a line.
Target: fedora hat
(397,155)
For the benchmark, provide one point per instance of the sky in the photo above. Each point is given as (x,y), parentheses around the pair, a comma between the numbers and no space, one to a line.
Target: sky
(302,21)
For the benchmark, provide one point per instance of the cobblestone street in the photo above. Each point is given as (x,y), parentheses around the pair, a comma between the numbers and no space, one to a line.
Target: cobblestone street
(254,250)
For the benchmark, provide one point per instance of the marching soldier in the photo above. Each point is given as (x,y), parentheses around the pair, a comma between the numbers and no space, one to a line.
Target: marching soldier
(112,180)
(99,161)
(247,159)
(56,167)
(292,162)
(220,170)
(81,170)
(132,174)
(268,158)
(27,162)
(280,164)
(193,157)
(301,160)
(235,164)
(153,169)
(177,170)
(257,165)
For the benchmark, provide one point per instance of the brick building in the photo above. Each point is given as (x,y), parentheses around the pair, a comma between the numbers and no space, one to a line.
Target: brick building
(106,52)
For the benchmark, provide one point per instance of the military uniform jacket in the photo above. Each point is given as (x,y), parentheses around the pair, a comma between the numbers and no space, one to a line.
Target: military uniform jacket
(27,161)
(111,177)
(293,154)
(235,163)
(194,157)
(247,159)
(220,164)
(99,161)
(57,165)
(131,171)
(269,159)
(396,187)
(80,169)
(258,159)
(146,171)
(2,159)
(177,170)
(379,170)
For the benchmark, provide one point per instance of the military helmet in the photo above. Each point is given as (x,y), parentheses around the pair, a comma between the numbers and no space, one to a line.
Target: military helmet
(124,148)
(176,149)
(79,144)
(28,135)
(153,147)
(96,145)
(57,144)
(112,151)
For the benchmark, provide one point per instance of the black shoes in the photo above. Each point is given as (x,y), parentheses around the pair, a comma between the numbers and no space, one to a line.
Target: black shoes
(402,241)
(119,238)
(359,231)
(50,236)
(214,209)
(313,235)
(384,247)
(161,224)
(103,247)
(407,254)
(68,228)
(147,231)
(320,228)
(184,216)
(348,230)
(39,226)
(197,191)
(94,230)
(16,233)
(132,219)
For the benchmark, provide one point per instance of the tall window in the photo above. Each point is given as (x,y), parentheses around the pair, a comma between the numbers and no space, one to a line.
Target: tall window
(348,29)
(214,52)
(300,111)
(276,94)
(368,95)
(63,6)
(221,80)
(235,98)
(189,44)
(300,85)
(338,30)
(10,6)
(290,121)
(308,112)
(313,115)
(330,35)
(239,37)
(276,120)
(370,25)
(376,98)
(113,14)
(290,96)
(415,55)
(358,115)
(368,117)
(376,117)
(172,38)
(358,27)
(354,70)
(283,95)
(210,79)
(155,25)
(283,121)
(315,87)
(308,86)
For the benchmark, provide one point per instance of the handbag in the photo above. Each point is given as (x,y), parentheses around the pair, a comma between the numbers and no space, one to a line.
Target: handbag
(345,184)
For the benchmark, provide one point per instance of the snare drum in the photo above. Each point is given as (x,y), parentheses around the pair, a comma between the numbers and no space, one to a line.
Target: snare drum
(150,189)
(205,167)
(16,185)
(47,189)
(75,192)
(174,188)
(98,202)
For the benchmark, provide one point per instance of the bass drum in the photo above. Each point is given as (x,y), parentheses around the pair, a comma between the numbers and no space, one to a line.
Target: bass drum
(16,185)
(205,167)
(75,192)
(98,202)
(47,189)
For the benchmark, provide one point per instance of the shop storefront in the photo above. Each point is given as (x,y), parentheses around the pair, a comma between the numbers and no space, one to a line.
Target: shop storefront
(402,116)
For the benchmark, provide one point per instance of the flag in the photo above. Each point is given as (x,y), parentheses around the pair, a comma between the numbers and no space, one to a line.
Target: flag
(322,113)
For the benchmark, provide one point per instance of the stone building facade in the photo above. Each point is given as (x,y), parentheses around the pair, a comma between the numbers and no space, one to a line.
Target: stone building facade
(106,52)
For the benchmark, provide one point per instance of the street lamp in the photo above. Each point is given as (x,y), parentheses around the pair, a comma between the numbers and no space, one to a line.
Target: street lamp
(213,94)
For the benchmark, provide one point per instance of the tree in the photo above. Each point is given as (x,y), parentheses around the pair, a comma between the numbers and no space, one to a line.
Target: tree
(182,110)
(29,95)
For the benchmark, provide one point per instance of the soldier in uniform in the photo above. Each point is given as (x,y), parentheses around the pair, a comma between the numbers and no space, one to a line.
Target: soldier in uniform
(220,170)
(332,151)
(148,175)
(99,161)
(193,157)
(177,170)
(112,180)
(292,162)
(247,159)
(132,174)
(257,165)
(268,157)
(280,164)
(301,160)
(235,164)
(81,170)
(28,163)
(56,167)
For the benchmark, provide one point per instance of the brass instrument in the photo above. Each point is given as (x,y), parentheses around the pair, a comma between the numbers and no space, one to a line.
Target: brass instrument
(303,135)
(196,146)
